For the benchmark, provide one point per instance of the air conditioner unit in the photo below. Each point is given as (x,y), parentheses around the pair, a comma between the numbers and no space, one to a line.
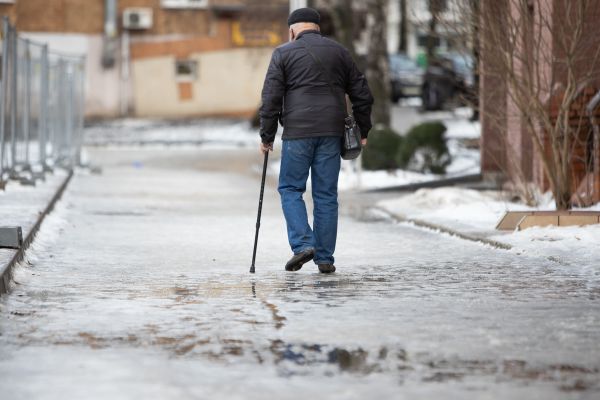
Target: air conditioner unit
(137,18)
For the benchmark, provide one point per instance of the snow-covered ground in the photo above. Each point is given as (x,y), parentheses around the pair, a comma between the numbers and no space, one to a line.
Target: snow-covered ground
(478,212)
(150,132)
(224,134)
(22,205)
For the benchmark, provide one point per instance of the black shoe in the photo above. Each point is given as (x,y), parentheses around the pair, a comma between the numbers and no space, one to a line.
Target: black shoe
(326,268)
(299,259)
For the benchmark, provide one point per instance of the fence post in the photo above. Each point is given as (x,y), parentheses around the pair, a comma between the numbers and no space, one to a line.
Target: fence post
(13,103)
(47,108)
(4,97)
(43,118)
(70,110)
(27,111)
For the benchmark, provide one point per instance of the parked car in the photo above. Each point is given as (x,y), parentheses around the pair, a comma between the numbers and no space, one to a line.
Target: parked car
(449,77)
(406,77)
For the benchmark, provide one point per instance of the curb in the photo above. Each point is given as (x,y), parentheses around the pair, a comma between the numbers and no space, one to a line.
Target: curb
(7,270)
(444,229)
(450,181)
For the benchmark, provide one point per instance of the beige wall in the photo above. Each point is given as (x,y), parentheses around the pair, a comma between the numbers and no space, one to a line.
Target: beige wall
(228,83)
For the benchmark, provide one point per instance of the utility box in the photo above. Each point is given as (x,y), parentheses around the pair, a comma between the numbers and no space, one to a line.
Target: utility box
(11,237)
(135,18)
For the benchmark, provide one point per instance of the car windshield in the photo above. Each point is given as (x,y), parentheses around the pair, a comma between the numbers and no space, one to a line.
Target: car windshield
(401,62)
(462,63)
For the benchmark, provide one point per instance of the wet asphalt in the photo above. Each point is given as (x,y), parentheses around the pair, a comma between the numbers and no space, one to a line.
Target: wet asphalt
(138,287)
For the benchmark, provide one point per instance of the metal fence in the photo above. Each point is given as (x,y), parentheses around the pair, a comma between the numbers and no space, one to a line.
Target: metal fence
(41,108)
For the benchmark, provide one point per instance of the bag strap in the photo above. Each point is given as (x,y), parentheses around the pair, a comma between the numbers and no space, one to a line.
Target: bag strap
(317,61)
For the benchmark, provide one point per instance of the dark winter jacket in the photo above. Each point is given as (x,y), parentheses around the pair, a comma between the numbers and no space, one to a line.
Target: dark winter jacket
(297,94)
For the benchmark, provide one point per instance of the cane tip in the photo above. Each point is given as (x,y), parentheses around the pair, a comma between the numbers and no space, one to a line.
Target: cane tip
(252,269)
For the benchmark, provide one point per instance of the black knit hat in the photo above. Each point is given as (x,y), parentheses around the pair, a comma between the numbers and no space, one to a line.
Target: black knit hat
(306,14)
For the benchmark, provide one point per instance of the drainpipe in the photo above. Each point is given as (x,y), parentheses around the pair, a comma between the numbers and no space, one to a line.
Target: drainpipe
(109,45)
(125,73)
(591,107)
(295,4)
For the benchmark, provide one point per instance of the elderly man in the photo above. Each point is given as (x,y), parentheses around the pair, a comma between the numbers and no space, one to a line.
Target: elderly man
(305,89)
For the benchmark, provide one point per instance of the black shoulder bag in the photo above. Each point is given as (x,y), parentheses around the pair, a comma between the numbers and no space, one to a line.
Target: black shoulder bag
(351,145)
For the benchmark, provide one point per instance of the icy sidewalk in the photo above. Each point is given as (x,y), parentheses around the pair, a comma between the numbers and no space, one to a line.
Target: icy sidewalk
(24,206)
(137,286)
(476,214)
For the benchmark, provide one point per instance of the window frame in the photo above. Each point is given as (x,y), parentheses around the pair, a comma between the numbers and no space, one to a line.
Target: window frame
(191,77)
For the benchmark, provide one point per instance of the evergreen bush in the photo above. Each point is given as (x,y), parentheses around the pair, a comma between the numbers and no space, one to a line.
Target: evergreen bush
(424,149)
(382,150)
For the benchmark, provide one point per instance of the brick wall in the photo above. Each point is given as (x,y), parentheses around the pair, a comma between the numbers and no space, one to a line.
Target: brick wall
(86,16)
(74,16)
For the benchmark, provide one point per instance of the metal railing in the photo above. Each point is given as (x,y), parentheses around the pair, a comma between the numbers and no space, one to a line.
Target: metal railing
(41,108)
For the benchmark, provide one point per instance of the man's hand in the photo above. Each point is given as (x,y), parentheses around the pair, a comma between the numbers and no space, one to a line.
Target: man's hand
(363,142)
(265,147)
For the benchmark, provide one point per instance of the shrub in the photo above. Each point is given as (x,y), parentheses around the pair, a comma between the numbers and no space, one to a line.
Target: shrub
(382,149)
(424,149)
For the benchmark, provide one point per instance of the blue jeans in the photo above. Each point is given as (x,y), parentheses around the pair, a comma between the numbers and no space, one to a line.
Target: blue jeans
(320,156)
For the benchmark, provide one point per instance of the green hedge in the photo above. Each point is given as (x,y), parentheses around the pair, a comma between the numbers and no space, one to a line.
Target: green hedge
(382,150)
(423,149)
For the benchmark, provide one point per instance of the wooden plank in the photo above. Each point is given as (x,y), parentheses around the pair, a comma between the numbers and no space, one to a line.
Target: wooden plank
(577,220)
(529,221)
(511,219)
(524,219)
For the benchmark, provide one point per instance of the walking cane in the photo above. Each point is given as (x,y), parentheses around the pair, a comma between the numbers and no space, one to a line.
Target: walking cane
(260,201)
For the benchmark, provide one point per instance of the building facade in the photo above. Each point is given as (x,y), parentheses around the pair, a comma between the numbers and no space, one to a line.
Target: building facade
(162,58)
(546,31)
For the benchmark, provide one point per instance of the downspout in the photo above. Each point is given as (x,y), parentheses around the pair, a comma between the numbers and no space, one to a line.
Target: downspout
(109,45)
(125,74)
(295,4)
(591,107)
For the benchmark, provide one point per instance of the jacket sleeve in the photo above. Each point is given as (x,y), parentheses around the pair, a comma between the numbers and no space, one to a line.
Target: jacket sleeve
(360,96)
(272,99)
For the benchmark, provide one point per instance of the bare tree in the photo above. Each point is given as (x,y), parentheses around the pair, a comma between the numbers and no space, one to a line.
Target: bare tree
(542,57)
(377,61)
(436,7)
(403,31)
(342,14)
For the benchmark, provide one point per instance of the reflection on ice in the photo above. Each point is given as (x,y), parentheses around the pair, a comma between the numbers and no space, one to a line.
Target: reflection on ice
(138,285)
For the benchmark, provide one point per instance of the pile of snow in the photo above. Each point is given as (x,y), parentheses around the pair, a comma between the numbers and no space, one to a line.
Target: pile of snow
(458,208)
(462,129)
(353,178)
(475,212)
(575,246)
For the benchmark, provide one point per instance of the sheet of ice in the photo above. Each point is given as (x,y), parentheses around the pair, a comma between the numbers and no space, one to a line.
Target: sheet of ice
(145,293)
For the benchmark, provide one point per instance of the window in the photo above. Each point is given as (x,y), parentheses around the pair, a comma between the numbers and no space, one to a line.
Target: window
(184,3)
(186,70)
(422,40)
